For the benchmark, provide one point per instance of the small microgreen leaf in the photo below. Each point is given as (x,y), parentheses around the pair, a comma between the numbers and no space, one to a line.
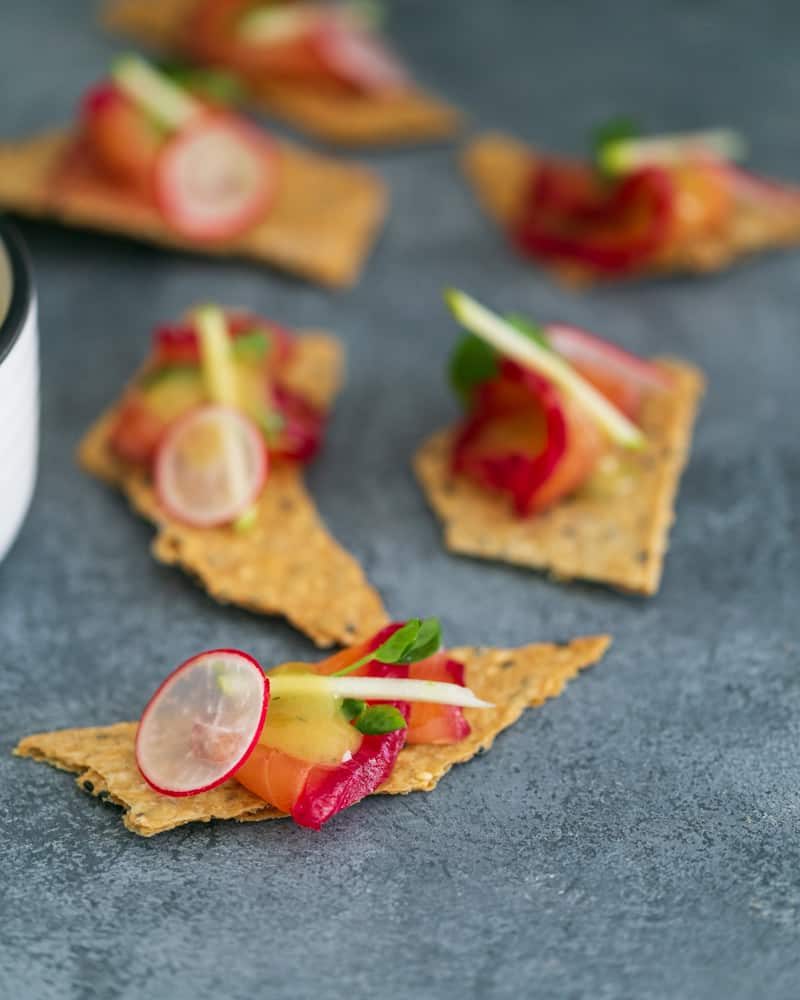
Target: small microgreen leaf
(379,719)
(607,135)
(414,641)
(219,86)
(252,345)
(473,361)
(352,708)
(427,642)
(398,644)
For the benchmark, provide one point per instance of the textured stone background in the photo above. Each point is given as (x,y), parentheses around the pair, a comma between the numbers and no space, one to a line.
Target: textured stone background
(636,838)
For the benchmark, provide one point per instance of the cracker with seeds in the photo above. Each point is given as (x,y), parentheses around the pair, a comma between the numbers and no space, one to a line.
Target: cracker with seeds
(336,115)
(286,563)
(513,679)
(764,215)
(320,226)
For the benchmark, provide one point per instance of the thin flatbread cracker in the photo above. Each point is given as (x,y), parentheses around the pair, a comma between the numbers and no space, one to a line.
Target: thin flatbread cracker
(616,536)
(514,679)
(104,759)
(346,119)
(287,563)
(499,169)
(320,226)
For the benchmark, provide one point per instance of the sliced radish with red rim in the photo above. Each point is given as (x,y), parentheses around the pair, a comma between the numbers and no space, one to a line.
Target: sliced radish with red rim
(215,179)
(752,188)
(202,723)
(578,346)
(211,466)
(355,56)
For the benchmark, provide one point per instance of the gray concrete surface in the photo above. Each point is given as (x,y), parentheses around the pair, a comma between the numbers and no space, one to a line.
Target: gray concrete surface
(636,838)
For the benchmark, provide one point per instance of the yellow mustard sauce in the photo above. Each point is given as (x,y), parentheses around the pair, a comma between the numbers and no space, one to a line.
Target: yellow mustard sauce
(311,727)
(176,394)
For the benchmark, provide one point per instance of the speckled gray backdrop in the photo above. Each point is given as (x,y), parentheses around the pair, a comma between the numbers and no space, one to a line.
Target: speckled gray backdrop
(636,838)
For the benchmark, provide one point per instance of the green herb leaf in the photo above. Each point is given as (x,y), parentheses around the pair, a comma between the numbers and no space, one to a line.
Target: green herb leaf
(379,719)
(473,361)
(397,645)
(607,135)
(415,641)
(427,642)
(252,345)
(352,708)
(219,86)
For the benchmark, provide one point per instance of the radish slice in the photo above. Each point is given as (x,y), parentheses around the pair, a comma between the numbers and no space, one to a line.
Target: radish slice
(211,466)
(580,347)
(751,188)
(354,55)
(215,179)
(202,723)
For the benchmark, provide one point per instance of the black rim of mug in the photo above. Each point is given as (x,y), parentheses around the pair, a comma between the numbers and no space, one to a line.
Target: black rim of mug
(21,289)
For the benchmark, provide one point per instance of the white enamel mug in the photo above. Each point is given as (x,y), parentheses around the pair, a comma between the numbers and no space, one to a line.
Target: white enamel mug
(19,385)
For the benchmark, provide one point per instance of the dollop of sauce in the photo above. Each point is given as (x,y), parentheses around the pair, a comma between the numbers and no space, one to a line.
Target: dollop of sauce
(310,727)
